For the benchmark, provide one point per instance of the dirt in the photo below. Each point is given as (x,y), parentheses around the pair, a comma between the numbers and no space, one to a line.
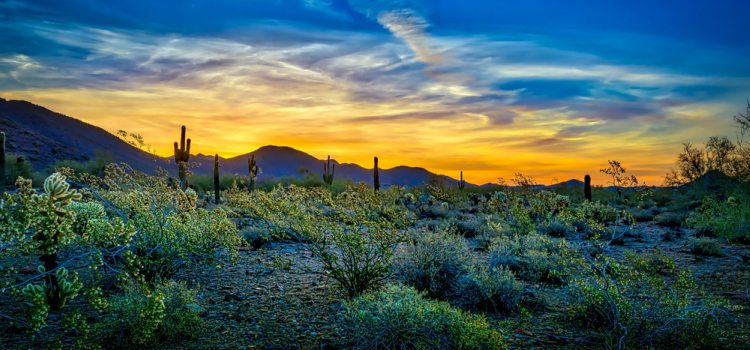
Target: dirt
(278,297)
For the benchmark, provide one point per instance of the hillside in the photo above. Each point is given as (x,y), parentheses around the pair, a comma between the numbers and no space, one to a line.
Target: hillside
(44,137)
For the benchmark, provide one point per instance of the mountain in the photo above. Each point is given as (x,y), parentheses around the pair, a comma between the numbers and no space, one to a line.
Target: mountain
(44,137)
(713,181)
(572,183)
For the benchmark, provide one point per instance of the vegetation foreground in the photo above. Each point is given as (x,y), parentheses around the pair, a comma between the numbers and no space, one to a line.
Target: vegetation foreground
(115,258)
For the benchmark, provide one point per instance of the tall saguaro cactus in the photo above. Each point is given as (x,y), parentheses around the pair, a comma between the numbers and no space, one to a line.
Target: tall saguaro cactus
(217,189)
(181,157)
(461,182)
(328,170)
(375,176)
(2,162)
(587,187)
(252,168)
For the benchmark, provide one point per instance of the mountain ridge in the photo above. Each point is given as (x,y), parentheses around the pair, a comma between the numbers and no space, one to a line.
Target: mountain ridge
(44,137)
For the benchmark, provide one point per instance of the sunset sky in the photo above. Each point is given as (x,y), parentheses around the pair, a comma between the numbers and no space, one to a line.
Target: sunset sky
(552,89)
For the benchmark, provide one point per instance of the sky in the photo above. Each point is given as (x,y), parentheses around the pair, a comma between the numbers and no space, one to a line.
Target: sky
(552,89)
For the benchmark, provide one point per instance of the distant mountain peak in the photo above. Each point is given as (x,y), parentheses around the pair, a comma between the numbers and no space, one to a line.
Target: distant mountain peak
(45,137)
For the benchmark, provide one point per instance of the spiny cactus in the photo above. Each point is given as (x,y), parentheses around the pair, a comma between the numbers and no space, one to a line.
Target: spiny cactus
(56,232)
(252,168)
(376,177)
(328,170)
(57,191)
(587,187)
(217,190)
(181,157)
(461,182)
(2,162)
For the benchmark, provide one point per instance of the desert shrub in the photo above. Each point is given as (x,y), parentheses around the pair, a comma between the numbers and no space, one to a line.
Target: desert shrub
(534,258)
(352,235)
(556,227)
(489,289)
(15,168)
(705,247)
(651,262)
(669,219)
(591,218)
(95,166)
(141,316)
(495,230)
(169,230)
(729,219)
(543,205)
(433,262)
(399,317)
(470,226)
(359,260)
(256,236)
(624,307)
(642,214)
(205,183)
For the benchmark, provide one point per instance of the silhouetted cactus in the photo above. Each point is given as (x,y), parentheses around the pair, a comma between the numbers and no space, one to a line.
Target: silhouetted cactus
(461,182)
(2,162)
(217,189)
(587,187)
(328,170)
(181,157)
(252,168)
(376,177)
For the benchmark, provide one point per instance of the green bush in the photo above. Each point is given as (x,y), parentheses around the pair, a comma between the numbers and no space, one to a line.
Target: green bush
(140,316)
(170,230)
(623,306)
(556,228)
(705,247)
(643,214)
(256,236)
(729,219)
(433,262)
(489,289)
(534,258)
(669,219)
(401,318)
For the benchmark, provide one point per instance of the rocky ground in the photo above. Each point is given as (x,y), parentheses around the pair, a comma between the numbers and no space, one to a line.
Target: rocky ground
(277,297)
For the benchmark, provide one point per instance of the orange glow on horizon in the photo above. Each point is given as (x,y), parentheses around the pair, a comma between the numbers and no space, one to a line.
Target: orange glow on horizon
(445,146)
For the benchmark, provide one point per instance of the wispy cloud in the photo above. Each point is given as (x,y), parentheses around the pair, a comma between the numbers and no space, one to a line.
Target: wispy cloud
(362,77)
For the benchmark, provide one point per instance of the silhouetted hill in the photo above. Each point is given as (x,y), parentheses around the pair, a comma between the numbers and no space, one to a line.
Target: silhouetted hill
(45,137)
(572,183)
(713,181)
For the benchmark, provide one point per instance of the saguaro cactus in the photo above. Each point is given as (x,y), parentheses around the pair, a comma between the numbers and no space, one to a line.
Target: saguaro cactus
(252,168)
(2,162)
(181,157)
(375,176)
(587,187)
(461,182)
(217,189)
(328,170)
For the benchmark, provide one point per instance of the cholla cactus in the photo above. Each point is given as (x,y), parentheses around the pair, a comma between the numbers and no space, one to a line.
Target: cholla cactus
(54,230)
(181,157)
(57,191)
(328,171)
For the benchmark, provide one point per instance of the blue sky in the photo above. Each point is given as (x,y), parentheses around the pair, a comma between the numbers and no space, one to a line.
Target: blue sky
(556,85)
